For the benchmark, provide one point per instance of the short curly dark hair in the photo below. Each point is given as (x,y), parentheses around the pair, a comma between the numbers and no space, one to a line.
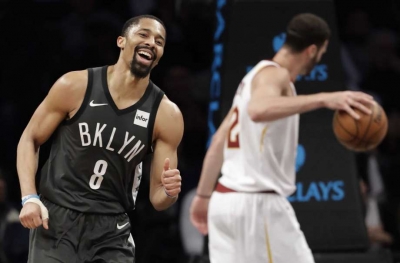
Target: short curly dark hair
(135,20)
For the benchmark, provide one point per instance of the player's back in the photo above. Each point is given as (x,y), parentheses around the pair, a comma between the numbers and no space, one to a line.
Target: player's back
(259,156)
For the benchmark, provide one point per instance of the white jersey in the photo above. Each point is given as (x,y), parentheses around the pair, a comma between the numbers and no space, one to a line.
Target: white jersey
(259,156)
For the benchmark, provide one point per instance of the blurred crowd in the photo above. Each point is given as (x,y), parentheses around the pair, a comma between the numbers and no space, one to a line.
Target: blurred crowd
(371,63)
(43,39)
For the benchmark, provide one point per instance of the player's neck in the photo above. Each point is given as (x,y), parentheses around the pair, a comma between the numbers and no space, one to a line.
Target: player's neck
(121,76)
(123,84)
(292,62)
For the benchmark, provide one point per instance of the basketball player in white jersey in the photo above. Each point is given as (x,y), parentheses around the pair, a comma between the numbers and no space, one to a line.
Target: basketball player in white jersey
(247,216)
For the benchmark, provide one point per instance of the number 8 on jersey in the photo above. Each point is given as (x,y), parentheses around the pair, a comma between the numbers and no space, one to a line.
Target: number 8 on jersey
(99,170)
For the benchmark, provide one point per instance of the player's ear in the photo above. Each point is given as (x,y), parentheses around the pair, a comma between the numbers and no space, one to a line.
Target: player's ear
(121,42)
(312,51)
(326,44)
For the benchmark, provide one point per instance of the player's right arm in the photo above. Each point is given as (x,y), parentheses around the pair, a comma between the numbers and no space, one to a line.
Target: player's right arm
(268,102)
(61,101)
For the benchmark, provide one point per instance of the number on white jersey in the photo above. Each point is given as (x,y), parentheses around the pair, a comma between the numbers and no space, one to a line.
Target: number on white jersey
(233,134)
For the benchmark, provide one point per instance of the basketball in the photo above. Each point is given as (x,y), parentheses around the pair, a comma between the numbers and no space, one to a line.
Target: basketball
(364,134)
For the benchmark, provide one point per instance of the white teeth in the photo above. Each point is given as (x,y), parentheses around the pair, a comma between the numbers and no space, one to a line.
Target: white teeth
(145,53)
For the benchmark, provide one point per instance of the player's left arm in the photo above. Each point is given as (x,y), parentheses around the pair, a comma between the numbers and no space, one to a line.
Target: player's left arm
(210,171)
(165,178)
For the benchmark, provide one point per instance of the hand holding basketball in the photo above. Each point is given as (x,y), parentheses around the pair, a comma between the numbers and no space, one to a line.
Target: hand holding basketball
(349,101)
(171,180)
(363,134)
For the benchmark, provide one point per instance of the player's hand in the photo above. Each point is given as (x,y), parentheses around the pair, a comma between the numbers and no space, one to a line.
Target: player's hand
(171,180)
(33,216)
(378,235)
(348,101)
(198,214)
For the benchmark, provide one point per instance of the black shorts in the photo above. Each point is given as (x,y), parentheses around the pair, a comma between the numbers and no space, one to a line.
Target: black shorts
(75,237)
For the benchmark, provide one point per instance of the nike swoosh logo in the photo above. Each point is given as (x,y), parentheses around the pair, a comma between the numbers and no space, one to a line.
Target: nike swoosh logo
(92,104)
(120,227)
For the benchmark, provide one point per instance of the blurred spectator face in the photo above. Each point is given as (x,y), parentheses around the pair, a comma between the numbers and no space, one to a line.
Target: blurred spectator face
(143,46)
(383,48)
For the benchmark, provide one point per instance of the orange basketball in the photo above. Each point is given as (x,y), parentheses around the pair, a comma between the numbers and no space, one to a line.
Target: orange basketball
(364,134)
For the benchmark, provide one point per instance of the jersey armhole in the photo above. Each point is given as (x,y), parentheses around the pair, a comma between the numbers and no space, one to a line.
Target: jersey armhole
(152,120)
(85,99)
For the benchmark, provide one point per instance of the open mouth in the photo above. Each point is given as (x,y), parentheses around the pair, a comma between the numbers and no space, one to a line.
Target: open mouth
(146,55)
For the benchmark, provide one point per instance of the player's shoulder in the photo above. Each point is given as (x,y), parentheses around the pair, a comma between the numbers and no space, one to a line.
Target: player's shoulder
(169,109)
(74,79)
(71,83)
(169,121)
(273,73)
(68,90)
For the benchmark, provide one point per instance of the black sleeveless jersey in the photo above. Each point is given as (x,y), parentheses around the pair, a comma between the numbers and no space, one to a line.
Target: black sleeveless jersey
(96,154)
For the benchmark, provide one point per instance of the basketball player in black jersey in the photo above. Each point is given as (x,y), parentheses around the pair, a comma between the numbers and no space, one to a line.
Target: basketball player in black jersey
(105,121)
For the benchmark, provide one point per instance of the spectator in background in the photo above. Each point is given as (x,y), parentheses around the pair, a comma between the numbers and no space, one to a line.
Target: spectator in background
(373,194)
(383,203)
(388,158)
(356,36)
(13,237)
(384,68)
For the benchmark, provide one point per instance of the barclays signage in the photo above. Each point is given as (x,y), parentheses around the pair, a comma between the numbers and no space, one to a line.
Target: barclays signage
(278,41)
(300,157)
(215,86)
(318,191)
(315,191)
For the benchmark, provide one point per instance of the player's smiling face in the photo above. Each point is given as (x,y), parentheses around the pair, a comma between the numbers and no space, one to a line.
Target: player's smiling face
(144,46)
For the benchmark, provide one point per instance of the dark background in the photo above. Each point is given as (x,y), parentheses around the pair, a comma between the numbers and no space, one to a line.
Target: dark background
(41,40)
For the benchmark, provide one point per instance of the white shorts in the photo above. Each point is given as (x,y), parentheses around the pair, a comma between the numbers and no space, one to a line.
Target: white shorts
(255,228)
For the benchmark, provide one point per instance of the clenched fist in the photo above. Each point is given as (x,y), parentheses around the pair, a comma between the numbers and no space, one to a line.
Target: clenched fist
(171,180)
(34,214)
